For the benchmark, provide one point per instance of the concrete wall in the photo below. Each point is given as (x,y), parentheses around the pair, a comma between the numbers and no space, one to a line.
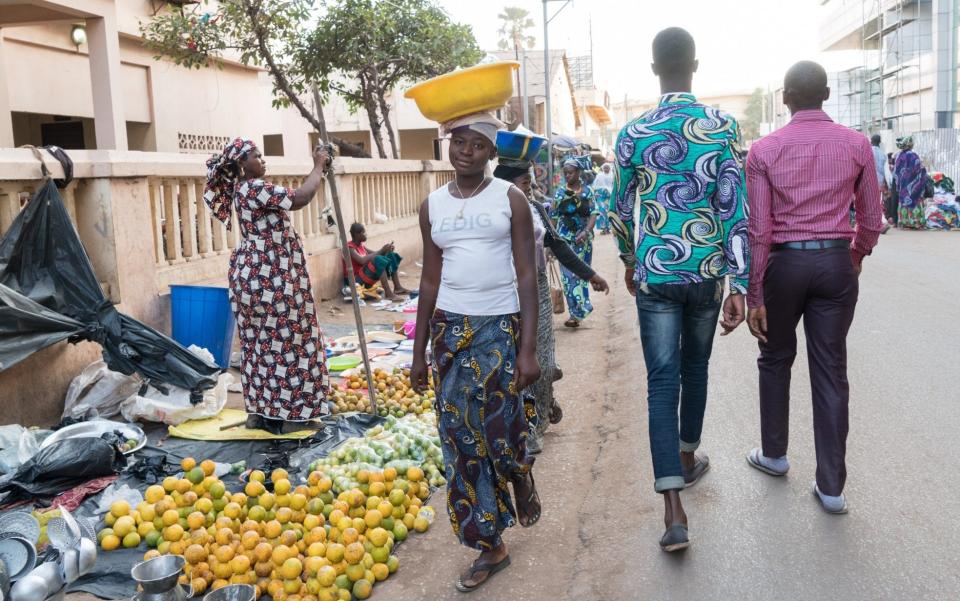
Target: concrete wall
(115,206)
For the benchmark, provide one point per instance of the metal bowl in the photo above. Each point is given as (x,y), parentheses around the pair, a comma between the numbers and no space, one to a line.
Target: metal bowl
(88,555)
(70,565)
(95,428)
(232,592)
(42,582)
(160,574)
(22,524)
(19,555)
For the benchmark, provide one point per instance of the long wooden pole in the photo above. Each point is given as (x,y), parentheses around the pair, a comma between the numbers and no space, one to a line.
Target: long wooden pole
(345,252)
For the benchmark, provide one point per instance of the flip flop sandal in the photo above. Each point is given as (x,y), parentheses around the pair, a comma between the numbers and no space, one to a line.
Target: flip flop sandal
(556,413)
(841,511)
(572,323)
(529,500)
(753,458)
(676,538)
(478,566)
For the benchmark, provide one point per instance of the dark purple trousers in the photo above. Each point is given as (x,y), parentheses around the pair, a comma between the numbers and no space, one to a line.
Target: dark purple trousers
(821,286)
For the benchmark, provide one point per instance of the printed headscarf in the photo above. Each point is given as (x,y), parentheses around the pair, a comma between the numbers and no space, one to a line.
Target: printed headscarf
(483,123)
(905,143)
(222,175)
(580,162)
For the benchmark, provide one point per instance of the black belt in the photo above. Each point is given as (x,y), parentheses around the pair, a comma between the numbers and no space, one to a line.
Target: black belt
(811,245)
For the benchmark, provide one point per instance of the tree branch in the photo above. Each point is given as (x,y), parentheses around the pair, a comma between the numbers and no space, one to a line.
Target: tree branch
(283,84)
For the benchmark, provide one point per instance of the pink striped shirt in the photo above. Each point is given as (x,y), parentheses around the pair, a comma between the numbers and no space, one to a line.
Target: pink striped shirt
(800,181)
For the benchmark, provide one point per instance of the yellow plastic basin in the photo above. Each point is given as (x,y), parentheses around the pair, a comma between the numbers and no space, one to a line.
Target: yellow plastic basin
(451,95)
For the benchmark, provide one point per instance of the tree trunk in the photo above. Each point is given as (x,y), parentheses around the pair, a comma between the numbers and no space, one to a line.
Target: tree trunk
(370,105)
(385,111)
(280,81)
(381,92)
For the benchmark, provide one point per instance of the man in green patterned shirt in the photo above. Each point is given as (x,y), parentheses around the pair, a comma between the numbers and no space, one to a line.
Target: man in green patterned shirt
(681,161)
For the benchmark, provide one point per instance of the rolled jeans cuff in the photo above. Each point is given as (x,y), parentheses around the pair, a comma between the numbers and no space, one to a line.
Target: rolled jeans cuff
(689,447)
(669,483)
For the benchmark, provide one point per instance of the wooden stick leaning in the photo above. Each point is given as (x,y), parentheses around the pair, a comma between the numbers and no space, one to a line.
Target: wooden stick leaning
(345,253)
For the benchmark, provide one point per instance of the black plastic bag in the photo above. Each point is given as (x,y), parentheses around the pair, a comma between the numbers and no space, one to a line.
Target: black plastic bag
(63,465)
(49,293)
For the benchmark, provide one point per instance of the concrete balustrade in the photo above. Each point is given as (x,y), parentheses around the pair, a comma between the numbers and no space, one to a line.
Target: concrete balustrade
(145,226)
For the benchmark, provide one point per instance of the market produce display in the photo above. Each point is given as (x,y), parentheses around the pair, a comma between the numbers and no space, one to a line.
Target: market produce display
(292,543)
(398,444)
(395,394)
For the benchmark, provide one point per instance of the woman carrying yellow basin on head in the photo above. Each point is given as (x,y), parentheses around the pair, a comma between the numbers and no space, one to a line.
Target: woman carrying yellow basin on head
(478,293)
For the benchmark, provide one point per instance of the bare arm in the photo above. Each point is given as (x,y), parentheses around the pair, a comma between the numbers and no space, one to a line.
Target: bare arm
(362,259)
(429,286)
(308,190)
(524,260)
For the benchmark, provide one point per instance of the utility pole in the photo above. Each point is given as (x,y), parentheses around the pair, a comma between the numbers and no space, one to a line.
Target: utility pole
(546,88)
(525,100)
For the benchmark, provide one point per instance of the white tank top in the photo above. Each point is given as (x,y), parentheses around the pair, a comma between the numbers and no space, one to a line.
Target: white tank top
(478,276)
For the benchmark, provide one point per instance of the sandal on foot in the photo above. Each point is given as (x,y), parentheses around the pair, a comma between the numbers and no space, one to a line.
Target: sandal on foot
(481,566)
(532,501)
(556,413)
(753,458)
(572,323)
(676,538)
(833,505)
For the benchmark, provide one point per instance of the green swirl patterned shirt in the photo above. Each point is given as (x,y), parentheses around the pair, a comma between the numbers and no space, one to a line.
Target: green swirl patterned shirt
(682,161)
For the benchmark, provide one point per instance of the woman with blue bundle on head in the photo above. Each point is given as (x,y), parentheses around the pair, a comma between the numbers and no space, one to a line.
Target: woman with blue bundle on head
(575,211)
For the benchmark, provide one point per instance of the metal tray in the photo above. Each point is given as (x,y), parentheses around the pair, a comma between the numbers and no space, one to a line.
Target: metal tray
(96,428)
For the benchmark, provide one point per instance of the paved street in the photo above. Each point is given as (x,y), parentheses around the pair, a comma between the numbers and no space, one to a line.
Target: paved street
(755,537)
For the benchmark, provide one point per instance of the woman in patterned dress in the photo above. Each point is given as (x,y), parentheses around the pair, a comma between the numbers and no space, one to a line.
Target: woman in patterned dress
(547,237)
(576,213)
(282,352)
(911,180)
(478,292)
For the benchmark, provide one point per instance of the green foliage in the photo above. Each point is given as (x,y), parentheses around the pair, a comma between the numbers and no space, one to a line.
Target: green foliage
(753,115)
(369,47)
(359,49)
(513,28)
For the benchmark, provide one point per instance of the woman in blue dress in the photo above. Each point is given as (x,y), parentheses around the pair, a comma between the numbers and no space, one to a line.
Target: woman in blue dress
(575,212)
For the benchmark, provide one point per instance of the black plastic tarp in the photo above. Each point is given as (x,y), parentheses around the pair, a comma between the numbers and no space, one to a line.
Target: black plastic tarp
(49,293)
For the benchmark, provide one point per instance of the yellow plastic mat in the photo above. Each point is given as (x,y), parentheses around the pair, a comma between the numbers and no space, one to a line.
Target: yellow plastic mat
(209,429)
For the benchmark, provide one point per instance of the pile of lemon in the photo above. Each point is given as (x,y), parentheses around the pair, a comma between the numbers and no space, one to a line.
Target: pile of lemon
(295,543)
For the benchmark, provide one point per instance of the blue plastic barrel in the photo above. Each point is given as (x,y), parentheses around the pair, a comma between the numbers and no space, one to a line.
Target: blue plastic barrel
(201,315)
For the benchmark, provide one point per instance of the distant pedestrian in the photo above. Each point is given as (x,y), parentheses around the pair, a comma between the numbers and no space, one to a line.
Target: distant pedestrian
(281,347)
(880,160)
(603,188)
(547,238)
(575,211)
(478,293)
(911,182)
(800,180)
(680,162)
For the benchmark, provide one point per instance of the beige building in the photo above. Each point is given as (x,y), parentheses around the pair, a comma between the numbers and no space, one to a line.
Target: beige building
(74,73)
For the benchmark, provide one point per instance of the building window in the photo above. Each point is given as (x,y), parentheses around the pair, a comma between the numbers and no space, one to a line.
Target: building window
(201,144)
(273,145)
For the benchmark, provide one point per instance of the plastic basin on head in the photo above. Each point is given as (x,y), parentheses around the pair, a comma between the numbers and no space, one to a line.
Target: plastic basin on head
(513,145)
(466,91)
(201,315)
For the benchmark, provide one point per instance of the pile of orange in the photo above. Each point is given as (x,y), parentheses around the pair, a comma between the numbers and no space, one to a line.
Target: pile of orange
(296,543)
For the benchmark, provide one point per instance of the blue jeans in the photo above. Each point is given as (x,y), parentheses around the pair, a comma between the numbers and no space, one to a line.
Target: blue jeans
(677,324)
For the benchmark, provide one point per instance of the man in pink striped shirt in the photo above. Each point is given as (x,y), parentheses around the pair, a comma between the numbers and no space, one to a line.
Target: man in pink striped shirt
(800,181)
